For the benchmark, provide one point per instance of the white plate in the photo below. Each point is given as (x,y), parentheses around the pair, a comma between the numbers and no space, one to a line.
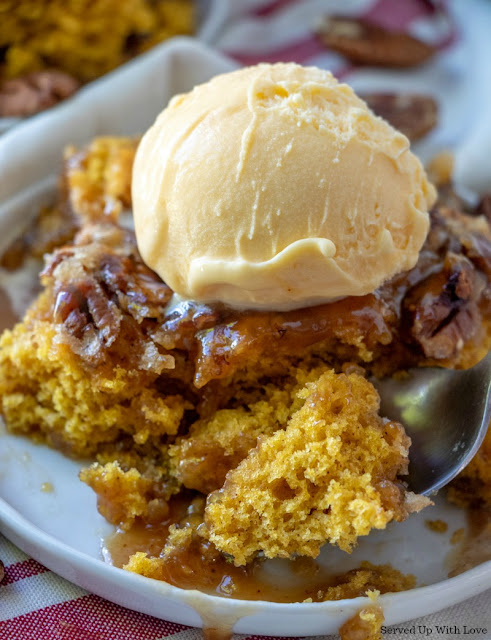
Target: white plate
(62,529)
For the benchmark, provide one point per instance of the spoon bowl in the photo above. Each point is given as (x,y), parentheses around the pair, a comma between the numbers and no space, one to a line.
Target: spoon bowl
(446,413)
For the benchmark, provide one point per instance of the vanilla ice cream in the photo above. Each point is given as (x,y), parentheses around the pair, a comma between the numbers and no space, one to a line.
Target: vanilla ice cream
(276,187)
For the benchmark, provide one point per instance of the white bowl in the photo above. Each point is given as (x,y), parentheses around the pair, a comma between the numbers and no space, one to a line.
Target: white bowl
(62,529)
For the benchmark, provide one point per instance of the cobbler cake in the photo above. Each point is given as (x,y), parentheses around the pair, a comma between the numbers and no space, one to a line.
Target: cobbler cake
(329,476)
(174,402)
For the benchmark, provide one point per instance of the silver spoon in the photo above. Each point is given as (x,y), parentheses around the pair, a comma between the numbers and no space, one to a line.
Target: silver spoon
(446,414)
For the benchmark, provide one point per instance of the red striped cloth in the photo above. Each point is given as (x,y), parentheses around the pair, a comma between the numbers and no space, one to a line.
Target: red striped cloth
(21,570)
(88,618)
(75,614)
(70,612)
(291,27)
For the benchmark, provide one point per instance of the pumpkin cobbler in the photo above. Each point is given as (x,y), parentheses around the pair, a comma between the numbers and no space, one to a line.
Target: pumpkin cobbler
(226,434)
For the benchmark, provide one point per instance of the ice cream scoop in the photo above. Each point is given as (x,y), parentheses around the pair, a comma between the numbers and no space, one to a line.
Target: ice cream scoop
(276,187)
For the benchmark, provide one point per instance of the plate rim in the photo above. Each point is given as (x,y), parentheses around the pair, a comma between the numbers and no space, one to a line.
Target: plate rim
(29,536)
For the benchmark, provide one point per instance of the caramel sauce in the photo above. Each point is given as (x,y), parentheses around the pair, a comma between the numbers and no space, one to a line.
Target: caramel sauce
(249,336)
(192,569)
(365,624)
(215,633)
(201,567)
(222,340)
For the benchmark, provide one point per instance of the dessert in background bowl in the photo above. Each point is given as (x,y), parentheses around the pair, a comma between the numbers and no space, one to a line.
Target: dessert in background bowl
(222,433)
(50,51)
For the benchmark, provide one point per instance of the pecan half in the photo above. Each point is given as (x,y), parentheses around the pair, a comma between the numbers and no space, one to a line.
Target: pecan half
(365,43)
(412,114)
(101,290)
(34,92)
(442,310)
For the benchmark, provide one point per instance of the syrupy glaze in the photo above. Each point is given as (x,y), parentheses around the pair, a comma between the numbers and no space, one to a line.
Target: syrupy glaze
(302,578)
(366,623)
(419,315)
(250,336)
(190,570)
(215,633)
(428,312)
(201,567)
(475,548)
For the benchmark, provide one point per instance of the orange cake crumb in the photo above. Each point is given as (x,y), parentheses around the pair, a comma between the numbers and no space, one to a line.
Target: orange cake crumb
(330,476)
(438,526)
(370,580)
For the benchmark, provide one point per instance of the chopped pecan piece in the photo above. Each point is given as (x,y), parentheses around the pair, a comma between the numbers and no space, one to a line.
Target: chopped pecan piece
(412,114)
(365,43)
(442,310)
(34,92)
(102,290)
(468,234)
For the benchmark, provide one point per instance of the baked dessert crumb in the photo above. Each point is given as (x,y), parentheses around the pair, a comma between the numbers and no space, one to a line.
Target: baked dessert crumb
(87,40)
(216,444)
(438,526)
(97,178)
(95,184)
(124,495)
(330,476)
(370,580)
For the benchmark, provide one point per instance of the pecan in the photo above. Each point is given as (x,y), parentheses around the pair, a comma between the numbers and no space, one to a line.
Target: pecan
(442,311)
(439,241)
(67,300)
(101,290)
(82,303)
(412,114)
(365,43)
(34,92)
(75,322)
(477,247)
(466,234)
(135,285)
